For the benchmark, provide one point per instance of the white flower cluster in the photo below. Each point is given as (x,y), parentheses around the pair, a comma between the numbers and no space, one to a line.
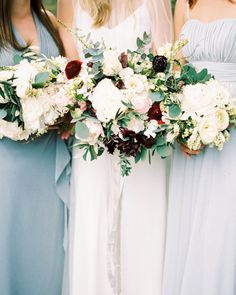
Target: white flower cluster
(41,106)
(207,107)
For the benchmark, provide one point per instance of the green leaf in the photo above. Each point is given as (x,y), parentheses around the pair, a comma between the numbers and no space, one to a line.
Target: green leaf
(41,78)
(17,59)
(156,96)
(139,42)
(163,151)
(81,130)
(160,141)
(174,110)
(93,154)
(3,114)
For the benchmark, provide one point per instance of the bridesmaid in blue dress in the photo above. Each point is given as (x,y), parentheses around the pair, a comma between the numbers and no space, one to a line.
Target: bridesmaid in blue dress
(201,231)
(33,176)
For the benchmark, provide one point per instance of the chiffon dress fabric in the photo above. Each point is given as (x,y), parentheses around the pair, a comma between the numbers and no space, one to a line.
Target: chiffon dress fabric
(117,225)
(201,228)
(34,194)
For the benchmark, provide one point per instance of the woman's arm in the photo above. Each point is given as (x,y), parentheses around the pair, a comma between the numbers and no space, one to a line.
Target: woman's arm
(66,16)
(179,17)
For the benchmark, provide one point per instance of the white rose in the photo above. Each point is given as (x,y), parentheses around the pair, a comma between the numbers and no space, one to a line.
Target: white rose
(222,119)
(107,100)
(6,75)
(208,130)
(137,83)
(126,73)
(222,94)
(111,63)
(135,125)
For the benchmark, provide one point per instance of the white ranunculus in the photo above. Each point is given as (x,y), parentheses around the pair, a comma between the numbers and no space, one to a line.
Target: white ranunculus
(222,119)
(207,129)
(107,100)
(135,125)
(111,63)
(172,135)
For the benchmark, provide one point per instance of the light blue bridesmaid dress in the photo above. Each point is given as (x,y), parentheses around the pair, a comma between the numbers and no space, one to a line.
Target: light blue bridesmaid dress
(34,186)
(201,232)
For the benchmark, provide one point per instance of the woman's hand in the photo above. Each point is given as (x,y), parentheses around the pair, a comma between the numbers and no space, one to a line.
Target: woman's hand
(65,134)
(187,152)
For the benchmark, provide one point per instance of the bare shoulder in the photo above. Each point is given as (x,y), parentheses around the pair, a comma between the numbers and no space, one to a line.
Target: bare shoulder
(53,19)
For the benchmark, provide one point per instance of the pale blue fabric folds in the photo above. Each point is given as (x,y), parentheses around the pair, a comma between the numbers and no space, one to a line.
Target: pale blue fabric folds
(201,232)
(34,191)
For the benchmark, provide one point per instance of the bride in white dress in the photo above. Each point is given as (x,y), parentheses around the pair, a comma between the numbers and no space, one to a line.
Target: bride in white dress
(117,226)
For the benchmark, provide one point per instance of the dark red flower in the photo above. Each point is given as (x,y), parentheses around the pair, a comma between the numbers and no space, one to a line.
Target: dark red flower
(73,69)
(159,63)
(120,84)
(154,112)
(160,122)
(123,58)
(148,142)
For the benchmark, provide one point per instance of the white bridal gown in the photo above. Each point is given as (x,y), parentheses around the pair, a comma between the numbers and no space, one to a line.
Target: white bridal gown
(117,226)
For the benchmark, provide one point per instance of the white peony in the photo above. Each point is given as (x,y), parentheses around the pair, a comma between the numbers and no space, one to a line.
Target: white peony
(198,100)
(111,63)
(25,74)
(107,100)
(13,131)
(207,129)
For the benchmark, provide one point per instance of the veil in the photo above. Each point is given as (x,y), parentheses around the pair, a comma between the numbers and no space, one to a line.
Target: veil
(159,10)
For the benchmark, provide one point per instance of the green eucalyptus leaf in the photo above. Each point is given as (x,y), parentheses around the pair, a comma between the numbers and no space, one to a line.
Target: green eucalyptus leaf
(174,110)
(41,78)
(163,151)
(160,141)
(81,130)
(3,114)
(17,59)
(156,96)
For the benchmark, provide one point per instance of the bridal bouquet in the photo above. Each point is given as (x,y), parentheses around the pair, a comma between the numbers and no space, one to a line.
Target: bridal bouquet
(121,99)
(32,96)
(207,113)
